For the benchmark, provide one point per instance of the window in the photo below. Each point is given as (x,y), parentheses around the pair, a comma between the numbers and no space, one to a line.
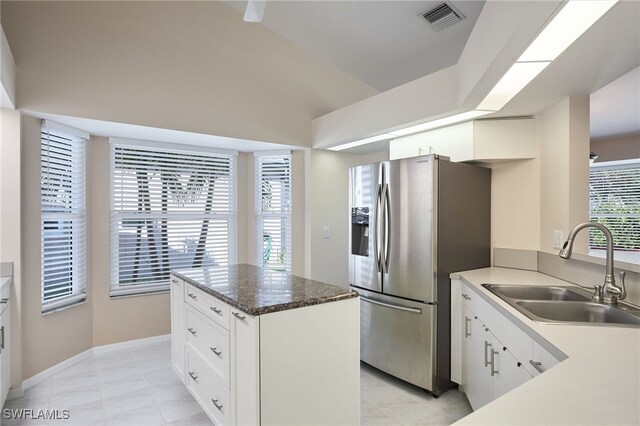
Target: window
(62,208)
(273,210)
(614,201)
(170,209)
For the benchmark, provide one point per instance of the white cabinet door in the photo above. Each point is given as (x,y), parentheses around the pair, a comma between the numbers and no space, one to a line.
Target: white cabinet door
(245,374)
(508,372)
(178,336)
(5,353)
(474,371)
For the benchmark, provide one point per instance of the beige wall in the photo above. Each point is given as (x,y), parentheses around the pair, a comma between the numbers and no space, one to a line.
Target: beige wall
(52,338)
(10,220)
(327,205)
(192,66)
(619,148)
(124,318)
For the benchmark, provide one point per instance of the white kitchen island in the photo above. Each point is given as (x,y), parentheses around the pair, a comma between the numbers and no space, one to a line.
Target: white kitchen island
(592,376)
(256,346)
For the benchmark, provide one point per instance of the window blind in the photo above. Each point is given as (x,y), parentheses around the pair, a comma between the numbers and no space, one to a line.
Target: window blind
(170,209)
(614,201)
(63,224)
(273,211)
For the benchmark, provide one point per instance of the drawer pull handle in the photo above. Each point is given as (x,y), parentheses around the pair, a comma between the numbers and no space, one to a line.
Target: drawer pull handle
(487,345)
(466,296)
(173,280)
(3,301)
(193,296)
(193,376)
(192,331)
(2,332)
(216,310)
(215,351)
(537,366)
(493,362)
(240,317)
(215,402)
(467,323)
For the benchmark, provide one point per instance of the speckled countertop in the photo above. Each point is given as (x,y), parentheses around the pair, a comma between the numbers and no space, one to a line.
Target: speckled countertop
(258,291)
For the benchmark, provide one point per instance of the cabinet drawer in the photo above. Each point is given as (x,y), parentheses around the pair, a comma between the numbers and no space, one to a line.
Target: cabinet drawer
(5,294)
(212,395)
(211,341)
(208,305)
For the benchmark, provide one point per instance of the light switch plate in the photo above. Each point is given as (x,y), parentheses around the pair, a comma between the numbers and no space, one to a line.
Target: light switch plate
(558,240)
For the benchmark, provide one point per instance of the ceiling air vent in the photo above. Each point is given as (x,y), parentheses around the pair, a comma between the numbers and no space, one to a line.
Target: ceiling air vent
(442,16)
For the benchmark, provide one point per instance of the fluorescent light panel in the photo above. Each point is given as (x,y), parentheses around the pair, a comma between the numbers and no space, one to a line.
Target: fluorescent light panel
(441,122)
(518,76)
(254,11)
(571,22)
(361,142)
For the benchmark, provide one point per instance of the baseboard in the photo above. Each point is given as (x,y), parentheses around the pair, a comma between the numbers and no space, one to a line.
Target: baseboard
(51,371)
(15,393)
(131,343)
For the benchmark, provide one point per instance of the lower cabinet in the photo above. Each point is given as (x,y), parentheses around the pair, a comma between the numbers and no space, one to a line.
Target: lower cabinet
(491,364)
(299,366)
(5,343)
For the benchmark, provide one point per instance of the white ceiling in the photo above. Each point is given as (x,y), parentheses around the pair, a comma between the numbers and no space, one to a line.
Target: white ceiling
(383,43)
(615,109)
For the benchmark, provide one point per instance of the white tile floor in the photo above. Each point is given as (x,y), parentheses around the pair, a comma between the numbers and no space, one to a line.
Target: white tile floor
(136,386)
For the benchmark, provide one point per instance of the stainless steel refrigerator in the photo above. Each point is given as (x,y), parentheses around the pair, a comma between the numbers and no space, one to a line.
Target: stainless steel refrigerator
(412,223)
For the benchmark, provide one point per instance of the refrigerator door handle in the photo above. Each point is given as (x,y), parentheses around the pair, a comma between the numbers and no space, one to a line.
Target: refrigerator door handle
(417,311)
(376,233)
(387,228)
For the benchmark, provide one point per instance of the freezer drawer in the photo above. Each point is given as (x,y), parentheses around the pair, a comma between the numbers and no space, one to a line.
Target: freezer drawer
(398,336)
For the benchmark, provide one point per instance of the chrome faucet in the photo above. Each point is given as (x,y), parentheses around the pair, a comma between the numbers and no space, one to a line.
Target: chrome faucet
(609,293)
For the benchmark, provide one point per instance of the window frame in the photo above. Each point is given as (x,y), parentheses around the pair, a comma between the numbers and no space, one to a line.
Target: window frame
(75,220)
(115,288)
(260,214)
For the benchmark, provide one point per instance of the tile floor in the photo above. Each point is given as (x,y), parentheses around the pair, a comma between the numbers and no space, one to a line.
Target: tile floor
(135,385)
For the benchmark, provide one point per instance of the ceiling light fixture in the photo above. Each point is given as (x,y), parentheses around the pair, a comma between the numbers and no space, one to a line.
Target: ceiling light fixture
(571,22)
(360,142)
(255,10)
(441,122)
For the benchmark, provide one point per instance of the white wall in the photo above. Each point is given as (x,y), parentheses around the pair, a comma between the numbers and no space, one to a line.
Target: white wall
(327,205)
(10,224)
(624,147)
(192,66)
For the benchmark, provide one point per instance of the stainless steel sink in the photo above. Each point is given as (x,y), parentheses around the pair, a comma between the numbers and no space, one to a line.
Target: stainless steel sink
(536,292)
(586,312)
(565,305)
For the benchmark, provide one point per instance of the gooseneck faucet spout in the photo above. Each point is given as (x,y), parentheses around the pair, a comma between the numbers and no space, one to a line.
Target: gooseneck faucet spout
(611,293)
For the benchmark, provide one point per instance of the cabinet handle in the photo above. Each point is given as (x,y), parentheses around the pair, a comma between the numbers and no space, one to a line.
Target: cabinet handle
(493,362)
(4,300)
(467,322)
(215,351)
(216,310)
(193,296)
(2,332)
(192,331)
(240,317)
(173,280)
(193,376)
(487,345)
(215,402)
(466,296)
(537,366)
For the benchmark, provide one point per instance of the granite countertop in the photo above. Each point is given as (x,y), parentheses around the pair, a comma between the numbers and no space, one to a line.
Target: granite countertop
(257,291)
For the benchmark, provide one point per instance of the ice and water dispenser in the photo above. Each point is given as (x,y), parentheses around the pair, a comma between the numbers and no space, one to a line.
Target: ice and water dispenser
(360,231)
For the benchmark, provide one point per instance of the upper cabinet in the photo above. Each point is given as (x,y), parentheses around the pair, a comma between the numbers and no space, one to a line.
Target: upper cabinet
(479,140)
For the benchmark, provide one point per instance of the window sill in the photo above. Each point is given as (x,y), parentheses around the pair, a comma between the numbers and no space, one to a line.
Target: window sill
(137,294)
(64,307)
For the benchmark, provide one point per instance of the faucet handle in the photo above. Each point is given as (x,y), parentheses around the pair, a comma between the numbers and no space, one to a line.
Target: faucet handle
(623,289)
(597,294)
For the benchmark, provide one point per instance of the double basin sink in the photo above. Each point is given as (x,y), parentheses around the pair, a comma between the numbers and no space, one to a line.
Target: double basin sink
(564,305)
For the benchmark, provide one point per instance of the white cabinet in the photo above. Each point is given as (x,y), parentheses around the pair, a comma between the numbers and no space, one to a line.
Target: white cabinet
(495,355)
(298,366)
(5,342)
(177,327)
(479,140)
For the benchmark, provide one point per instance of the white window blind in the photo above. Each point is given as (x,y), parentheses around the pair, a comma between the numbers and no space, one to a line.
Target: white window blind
(614,201)
(63,224)
(170,209)
(273,211)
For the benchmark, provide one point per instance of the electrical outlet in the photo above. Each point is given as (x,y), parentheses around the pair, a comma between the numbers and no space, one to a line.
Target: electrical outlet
(558,240)
(326,232)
